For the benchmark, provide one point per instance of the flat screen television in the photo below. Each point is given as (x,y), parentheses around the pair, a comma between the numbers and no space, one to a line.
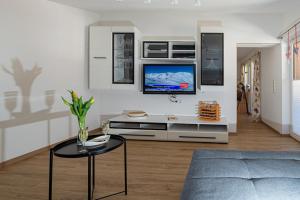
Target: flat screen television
(169,79)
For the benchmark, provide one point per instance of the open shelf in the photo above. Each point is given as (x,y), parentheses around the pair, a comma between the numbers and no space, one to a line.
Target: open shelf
(212,128)
(183,127)
(138,125)
(184,50)
(197,128)
(153,49)
(185,55)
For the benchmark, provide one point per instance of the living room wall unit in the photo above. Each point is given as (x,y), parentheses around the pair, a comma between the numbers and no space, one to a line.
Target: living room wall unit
(237,28)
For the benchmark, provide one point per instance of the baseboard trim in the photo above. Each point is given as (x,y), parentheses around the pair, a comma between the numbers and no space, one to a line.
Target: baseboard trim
(232,128)
(36,152)
(23,157)
(295,136)
(283,129)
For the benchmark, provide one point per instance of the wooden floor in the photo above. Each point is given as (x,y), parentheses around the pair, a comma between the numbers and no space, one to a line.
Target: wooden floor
(156,170)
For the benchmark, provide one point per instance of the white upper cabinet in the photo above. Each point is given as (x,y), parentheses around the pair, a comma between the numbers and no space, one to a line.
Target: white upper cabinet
(100,37)
(113,60)
(100,57)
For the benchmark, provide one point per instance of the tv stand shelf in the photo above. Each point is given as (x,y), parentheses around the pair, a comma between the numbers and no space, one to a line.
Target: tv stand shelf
(158,127)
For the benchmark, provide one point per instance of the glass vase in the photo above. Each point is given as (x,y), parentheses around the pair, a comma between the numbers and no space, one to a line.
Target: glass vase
(82,136)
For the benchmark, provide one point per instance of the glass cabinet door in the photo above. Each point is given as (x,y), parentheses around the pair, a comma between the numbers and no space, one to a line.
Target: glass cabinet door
(123,58)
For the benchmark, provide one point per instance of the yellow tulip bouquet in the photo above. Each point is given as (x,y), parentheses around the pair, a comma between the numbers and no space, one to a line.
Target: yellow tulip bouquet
(79,108)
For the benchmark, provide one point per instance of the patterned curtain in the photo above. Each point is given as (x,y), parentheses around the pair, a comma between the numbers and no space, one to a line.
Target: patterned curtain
(242,80)
(256,104)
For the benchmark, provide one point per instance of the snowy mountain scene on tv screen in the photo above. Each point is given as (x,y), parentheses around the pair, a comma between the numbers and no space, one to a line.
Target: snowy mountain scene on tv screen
(169,78)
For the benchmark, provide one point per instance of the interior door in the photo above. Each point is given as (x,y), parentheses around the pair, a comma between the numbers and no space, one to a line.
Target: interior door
(100,57)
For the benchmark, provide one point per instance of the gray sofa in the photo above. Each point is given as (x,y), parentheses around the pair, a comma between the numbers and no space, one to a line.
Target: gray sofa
(242,175)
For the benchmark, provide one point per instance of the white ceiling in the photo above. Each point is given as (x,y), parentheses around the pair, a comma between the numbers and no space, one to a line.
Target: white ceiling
(268,6)
(243,52)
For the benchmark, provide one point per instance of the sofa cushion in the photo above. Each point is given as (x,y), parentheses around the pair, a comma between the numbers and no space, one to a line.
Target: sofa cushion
(268,168)
(219,189)
(243,175)
(218,167)
(277,188)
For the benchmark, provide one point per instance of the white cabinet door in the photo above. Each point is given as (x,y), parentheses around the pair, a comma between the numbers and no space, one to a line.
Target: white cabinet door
(100,57)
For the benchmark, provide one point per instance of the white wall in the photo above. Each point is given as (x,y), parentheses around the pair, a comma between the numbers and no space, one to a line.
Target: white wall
(53,37)
(237,28)
(290,19)
(286,77)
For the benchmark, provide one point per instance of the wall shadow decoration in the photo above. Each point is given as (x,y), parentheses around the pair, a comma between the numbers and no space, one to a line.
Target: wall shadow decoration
(24,80)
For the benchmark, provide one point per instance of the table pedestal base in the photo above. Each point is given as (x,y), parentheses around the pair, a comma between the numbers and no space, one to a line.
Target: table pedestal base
(91,175)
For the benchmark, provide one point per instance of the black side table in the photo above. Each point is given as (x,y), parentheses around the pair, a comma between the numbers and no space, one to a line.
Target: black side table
(70,149)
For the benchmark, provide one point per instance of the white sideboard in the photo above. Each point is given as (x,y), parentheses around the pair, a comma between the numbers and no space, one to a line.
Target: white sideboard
(158,127)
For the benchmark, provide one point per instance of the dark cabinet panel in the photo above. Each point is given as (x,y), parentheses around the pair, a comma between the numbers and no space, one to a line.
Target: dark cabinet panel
(123,58)
(212,59)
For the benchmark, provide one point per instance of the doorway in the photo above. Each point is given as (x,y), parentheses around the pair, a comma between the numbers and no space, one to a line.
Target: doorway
(260,70)
(247,60)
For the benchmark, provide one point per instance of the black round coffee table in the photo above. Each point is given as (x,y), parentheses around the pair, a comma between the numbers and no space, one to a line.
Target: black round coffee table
(70,149)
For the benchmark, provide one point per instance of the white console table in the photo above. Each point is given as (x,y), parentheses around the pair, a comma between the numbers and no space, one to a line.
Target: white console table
(158,127)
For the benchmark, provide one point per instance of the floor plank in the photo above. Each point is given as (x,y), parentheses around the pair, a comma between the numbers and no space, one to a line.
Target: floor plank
(156,170)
